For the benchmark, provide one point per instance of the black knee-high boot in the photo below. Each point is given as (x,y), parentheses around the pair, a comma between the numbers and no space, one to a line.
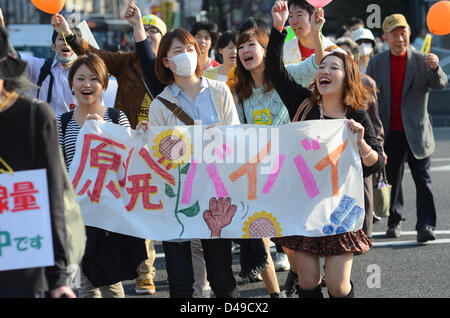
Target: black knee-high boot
(314,293)
(351,294)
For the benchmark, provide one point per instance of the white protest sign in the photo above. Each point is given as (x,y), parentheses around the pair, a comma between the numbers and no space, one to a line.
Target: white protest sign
(25,226)
(231,182)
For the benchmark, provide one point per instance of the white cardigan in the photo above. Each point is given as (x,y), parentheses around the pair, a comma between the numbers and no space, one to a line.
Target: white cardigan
(160,115)
(292,55)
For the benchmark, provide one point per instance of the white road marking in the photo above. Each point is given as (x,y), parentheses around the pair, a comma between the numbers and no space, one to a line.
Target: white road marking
(382,234)
(409,243)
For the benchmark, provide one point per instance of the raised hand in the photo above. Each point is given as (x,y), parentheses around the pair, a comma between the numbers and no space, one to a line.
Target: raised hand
(317,20)
(219,215)
(432,61)
(133,14)
(280,13)
(2,20)
(60,24)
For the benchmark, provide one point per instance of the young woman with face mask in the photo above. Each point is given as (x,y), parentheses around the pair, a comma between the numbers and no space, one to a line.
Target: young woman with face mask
(337,92)
(366,44)
(178,66)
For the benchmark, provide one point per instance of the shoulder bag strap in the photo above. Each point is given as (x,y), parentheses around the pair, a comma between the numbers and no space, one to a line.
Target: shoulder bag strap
(304,105)
(177,111)
(114,114)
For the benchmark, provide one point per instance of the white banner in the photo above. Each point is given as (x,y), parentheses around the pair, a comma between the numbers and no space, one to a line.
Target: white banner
(231,182)
(25,226)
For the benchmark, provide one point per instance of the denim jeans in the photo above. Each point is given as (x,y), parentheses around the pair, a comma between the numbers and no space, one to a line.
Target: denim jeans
(218,260)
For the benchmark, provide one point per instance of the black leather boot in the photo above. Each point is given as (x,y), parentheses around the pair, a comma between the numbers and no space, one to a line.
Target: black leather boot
(351,294)
(314,293)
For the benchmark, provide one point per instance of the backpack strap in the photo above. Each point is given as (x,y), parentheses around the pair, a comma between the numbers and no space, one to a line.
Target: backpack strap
(177,111)
(65,119)
(114,114)
(43,73)
(304,107)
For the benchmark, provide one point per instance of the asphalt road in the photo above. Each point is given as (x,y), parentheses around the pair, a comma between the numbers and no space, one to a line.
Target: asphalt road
(394,268)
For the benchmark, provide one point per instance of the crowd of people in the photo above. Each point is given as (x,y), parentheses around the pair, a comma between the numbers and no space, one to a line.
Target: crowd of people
(381,89)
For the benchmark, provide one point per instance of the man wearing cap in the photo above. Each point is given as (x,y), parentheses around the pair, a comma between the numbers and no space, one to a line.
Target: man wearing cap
(404,77)
(133,95)
(366,43)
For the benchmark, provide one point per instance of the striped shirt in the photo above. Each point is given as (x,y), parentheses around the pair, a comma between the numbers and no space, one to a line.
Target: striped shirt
(69,141)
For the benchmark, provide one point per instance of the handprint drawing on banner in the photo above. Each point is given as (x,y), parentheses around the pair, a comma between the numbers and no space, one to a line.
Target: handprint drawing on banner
(219,215)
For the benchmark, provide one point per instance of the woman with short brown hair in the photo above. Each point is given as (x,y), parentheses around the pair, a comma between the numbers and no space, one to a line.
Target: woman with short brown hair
(103,265)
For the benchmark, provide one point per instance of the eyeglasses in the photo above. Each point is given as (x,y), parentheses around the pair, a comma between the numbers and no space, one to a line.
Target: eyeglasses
(152,30)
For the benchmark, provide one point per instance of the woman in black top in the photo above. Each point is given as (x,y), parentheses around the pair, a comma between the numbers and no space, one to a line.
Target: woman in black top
(337,92)
(17,154)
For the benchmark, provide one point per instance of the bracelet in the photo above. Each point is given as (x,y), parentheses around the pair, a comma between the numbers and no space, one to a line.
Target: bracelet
(367,154)
(279,28)
(71,37)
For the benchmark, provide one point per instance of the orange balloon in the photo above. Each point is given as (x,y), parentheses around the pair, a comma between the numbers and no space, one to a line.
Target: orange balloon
(438,18)
(49,6)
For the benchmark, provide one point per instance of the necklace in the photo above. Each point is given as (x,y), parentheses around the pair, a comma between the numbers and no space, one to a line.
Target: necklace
(322,117)
(5,102)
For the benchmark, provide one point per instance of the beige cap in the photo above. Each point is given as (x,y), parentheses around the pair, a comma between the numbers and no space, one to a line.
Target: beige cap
(152,19)
(394,21)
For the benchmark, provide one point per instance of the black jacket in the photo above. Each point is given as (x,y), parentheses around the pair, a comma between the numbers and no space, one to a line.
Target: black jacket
(15,149)
(293,94)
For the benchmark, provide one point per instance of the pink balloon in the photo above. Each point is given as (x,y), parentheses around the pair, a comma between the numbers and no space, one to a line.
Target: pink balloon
(319,3)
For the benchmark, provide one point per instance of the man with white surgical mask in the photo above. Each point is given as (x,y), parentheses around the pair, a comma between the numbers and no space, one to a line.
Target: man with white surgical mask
(51,75)
(366,42)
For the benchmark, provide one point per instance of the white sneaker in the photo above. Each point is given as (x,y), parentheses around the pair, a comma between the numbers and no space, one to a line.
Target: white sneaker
(281,262)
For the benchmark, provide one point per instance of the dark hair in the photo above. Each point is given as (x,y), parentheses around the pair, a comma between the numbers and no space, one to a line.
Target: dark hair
(351,44)
(225,39)
(354,21)
(242,82)
(95,64)
(211,28)
(74,30)
(165,74)
(341,31)
(356,95)
(305,5)
(255,23)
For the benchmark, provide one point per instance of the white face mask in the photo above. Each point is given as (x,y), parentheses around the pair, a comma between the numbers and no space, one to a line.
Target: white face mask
(64,60)
(365,49)
(186,63)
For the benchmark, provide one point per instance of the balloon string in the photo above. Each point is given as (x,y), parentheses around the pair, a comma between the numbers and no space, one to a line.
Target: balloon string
(64,37)
(321,34)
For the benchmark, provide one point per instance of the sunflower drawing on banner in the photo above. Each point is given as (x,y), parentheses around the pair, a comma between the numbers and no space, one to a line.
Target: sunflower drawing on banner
(261,224)
(173,149)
